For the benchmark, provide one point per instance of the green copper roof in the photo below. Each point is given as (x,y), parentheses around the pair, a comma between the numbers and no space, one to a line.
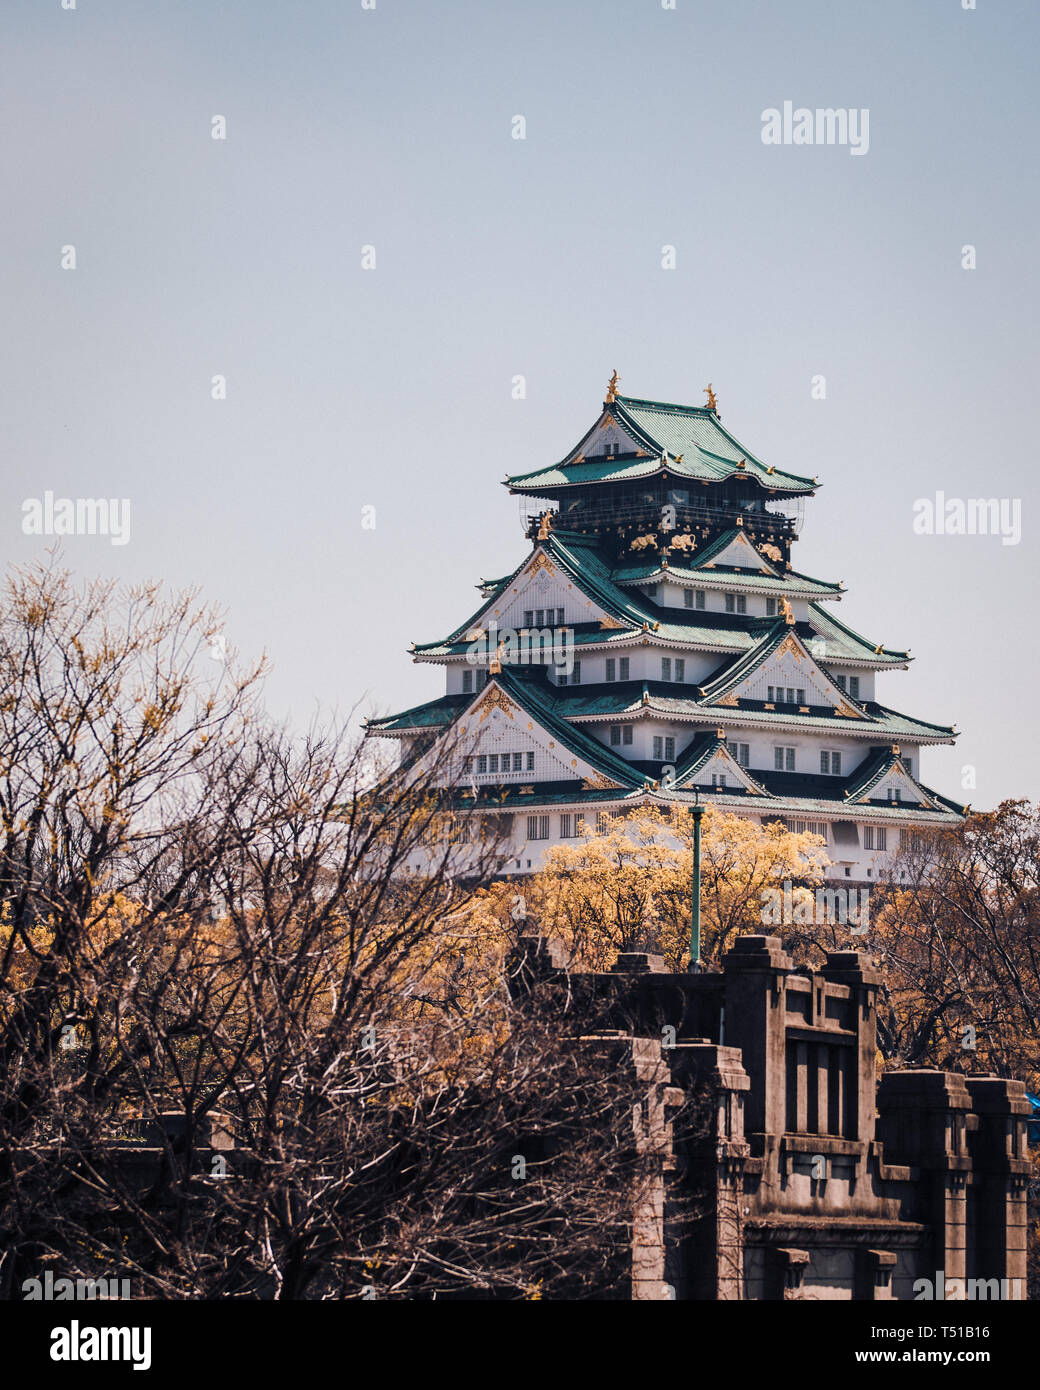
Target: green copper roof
(843,641)
(691,438)
(580,556)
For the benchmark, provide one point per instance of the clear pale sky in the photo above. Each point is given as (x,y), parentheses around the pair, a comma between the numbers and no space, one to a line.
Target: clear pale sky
(495,257)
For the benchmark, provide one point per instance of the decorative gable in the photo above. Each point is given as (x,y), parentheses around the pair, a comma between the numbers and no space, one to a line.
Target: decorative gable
(891,783)
(543,586)
(497,742)
(741,554)
(784,675)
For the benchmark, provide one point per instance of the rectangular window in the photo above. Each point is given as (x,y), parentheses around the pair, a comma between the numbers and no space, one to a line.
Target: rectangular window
(559,617)
(669,749)
(688,598)
(518,762)
(740,752)
(537,827)
(770,607)
(626,733)
(731,603)
(539,617)
(623,668)
(741,603)
(482,763)
(615,735)
(772,692)
(718,779)
(576,674)
(658,748)
(783,759)
(530,762)
(579,821)
(467,682)
(839,681)
(700,598)
(801,696)
(611,669)
(565,828)
(528,617)
(493,763)
(680,668)
(666,668)
(854,687)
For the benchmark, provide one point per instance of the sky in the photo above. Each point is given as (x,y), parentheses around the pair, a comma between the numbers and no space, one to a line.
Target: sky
(348,386)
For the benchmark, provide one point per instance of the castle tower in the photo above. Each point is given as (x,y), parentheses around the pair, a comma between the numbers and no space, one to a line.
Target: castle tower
(656,645)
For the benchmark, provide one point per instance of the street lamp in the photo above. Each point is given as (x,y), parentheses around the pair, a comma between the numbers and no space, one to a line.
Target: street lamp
(697,811)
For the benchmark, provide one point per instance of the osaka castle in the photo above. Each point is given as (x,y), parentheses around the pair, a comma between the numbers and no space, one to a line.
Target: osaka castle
(656,646)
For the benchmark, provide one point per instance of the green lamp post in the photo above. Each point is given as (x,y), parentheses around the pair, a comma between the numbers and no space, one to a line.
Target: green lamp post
(697,811)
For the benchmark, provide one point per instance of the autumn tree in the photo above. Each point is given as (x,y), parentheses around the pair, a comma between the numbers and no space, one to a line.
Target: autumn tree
(246,1049)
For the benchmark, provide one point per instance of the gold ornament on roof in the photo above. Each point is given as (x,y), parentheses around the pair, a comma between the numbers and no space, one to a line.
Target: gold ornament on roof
(612,386)
(713,404)
(787,612)
(495,699)
(544,525)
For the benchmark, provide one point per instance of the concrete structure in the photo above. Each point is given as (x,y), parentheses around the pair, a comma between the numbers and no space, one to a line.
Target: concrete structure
(805,1177)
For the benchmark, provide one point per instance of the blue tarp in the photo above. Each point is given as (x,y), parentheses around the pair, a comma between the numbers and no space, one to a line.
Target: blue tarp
(1034,1123)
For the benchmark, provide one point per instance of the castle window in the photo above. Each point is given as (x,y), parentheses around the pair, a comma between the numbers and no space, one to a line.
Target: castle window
(467,682)
(611,669)
(623,668)
(854,687)
(830,763)
(680,668)
(566,833)
(615,735)
(658,748)
(493,763)
(700,598)
(839,681)
(537,827)
(518,762)
(666,668)
(528,617)
(530,762)
(783,759)
(482,763)
(739,751)
(559,617)
(539,617)
(875,837)
(669,749)
(736,603)
(770,607)
(718,779)
(687,598)
(801,696)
